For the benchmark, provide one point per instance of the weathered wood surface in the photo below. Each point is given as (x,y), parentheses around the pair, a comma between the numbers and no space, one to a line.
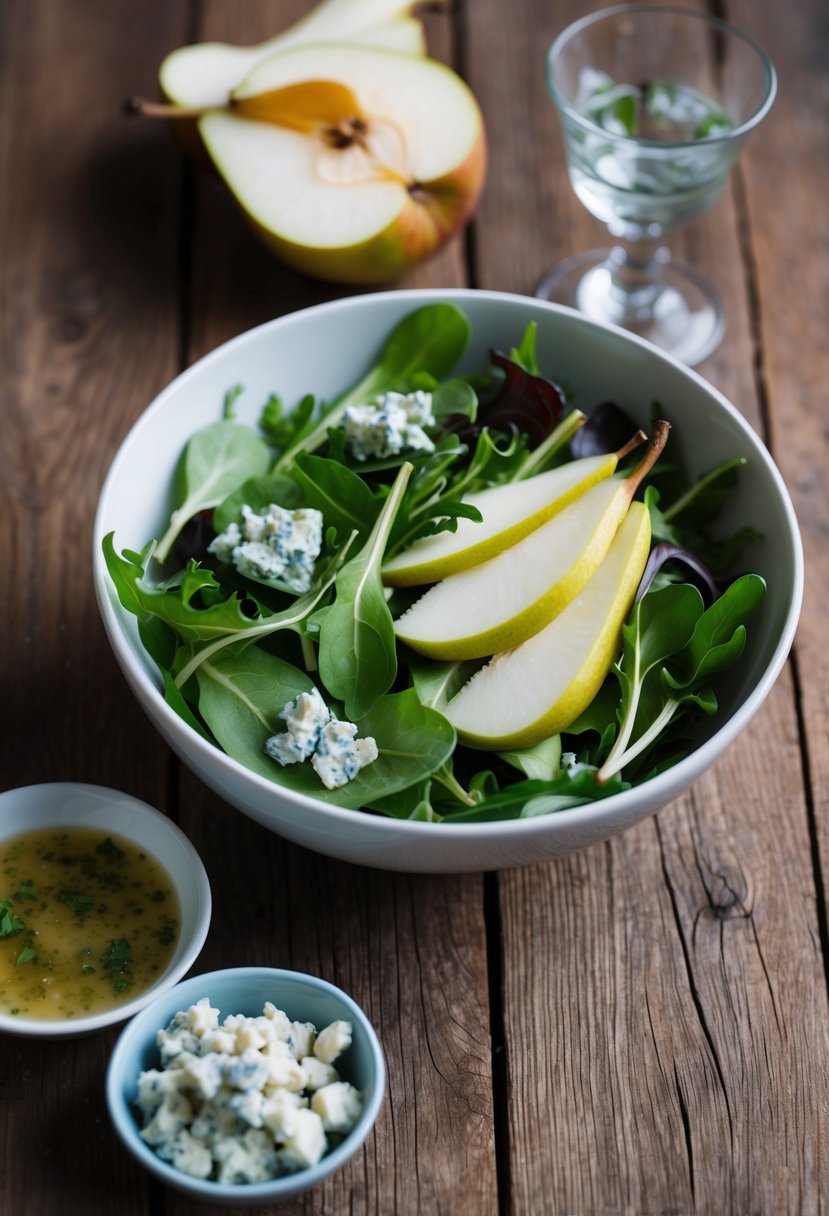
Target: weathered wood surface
(639,1028)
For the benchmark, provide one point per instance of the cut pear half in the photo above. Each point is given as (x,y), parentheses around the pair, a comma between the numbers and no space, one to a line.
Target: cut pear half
(204,75)
(509,513)
(539,688)
(501,603)
(352,163)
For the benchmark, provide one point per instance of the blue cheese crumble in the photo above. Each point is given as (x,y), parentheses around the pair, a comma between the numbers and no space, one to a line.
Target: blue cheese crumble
(278,545)
(247,1100)
(393,425)
(336,754)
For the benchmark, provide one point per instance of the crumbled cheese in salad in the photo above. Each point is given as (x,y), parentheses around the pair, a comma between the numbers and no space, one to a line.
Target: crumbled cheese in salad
(277,545)
(313,731)
(248,1100)
(395,424)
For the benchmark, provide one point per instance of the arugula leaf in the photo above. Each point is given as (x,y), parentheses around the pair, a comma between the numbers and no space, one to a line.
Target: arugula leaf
(175,602)
(216,460)
(27,955)
(116,957)
(658,632)
(357,651)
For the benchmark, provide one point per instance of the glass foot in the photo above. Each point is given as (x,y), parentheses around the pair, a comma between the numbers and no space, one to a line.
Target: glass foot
(679,311)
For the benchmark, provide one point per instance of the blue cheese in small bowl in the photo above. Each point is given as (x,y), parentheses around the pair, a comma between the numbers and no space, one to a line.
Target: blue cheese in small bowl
(248,1099)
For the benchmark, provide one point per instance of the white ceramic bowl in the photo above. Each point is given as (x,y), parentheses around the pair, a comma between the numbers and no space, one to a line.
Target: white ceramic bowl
(67,805)
(325,349)
(304,998)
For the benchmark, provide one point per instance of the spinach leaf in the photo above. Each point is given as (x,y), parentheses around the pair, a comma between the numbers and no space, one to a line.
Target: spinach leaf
(431,339)
(242,693)
(346,502)
(216,460)
(357,651)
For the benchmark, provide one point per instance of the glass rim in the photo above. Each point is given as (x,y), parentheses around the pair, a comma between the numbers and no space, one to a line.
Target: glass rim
(718,23)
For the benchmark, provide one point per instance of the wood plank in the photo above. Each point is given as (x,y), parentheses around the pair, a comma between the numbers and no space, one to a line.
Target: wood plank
(647,1011)
(89,251)
(786,184)
(410,949)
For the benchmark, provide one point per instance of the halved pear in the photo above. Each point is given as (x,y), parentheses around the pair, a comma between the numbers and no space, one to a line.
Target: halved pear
(540,687)
(351,163)
(204,75)
(501,603)
(509,513)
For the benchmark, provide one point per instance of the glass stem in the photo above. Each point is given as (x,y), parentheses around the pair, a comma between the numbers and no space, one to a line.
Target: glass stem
(636,279)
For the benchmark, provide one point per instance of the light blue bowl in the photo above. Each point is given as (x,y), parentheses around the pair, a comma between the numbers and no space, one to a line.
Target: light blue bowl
(245,990)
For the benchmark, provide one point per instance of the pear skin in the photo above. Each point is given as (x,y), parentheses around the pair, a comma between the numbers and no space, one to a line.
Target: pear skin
(509,513)
(501,603)
(537,689)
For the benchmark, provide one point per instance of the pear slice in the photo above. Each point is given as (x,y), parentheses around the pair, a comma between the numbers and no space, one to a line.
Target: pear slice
(536,690)
(204,75)
(509,513)
(506,600)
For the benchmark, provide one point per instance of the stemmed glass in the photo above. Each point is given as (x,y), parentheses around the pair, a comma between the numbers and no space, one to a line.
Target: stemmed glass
(654,104)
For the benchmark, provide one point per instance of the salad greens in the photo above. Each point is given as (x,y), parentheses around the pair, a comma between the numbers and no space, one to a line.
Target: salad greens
(233,650)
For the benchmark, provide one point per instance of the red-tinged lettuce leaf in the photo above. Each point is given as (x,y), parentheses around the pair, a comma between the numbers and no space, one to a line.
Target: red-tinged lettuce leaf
(667,552)
(524,404)
(608,428)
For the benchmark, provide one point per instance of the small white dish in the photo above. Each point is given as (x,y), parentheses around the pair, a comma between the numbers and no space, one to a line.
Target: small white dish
(66,805)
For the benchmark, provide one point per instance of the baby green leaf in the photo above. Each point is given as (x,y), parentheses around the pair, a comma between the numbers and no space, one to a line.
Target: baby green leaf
(346,502)
(216,460)
(257,493)
(357,653)
(542,762)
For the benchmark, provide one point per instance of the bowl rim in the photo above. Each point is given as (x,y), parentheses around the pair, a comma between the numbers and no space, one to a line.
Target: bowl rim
(144,1023)
(660,789)
(55,793)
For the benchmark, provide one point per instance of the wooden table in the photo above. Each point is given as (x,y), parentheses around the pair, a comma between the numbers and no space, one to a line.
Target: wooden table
(638,1028)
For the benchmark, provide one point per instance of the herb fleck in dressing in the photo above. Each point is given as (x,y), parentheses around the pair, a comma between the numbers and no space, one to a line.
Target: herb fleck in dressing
(87,921)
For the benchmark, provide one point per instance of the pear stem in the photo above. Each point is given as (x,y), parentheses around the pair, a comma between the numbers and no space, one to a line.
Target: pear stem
(655,448)
(639,438)
(141,107)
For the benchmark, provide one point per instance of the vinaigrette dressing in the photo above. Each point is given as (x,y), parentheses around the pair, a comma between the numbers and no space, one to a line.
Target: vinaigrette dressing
(88,921)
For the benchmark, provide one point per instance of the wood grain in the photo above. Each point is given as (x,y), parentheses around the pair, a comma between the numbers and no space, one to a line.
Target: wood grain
(89,253)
